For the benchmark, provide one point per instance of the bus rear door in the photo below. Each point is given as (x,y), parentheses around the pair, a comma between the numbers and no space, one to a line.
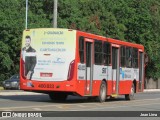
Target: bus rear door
(89,65)
(115,69)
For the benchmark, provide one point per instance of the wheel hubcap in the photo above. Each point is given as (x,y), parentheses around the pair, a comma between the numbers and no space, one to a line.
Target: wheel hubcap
(132,92)
(103,93)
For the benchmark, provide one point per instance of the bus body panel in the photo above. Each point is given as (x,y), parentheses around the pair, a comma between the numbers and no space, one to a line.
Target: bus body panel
(124,83)
(73,75)
(52,47)
(54,51)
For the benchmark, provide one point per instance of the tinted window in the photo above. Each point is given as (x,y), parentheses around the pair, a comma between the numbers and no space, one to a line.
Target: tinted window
(114,57)
(106,53)
(98,52)
(15,77)
(135,58)
(123,56)
(81,49)
(129,56)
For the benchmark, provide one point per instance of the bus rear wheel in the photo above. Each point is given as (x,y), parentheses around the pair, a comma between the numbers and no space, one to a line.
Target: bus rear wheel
(102,92)
(58,96)
(131,95)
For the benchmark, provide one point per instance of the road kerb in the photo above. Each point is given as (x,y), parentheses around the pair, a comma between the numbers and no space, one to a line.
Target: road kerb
(151,90)
(9,93)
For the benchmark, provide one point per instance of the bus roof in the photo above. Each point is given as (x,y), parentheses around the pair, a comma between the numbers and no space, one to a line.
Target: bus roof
(120,42)
(98,37)
(111,40)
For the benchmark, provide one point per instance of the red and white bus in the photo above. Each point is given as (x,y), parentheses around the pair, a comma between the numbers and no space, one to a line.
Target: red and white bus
(61,62)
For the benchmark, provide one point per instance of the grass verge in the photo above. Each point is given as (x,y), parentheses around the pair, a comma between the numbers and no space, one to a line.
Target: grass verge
(1,88)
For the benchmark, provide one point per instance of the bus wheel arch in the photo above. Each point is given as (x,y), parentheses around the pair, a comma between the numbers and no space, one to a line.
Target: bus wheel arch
(135,84)
(102,91)
(130,96)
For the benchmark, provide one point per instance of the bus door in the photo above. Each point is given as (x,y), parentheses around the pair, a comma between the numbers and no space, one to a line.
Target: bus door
(115,69)
(141,68)
(89,65)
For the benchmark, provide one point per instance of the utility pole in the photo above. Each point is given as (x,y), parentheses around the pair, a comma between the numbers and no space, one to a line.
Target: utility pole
(26,12)
(55,14)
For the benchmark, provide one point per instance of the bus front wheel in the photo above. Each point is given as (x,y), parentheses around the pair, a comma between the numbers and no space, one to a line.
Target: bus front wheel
(102,92)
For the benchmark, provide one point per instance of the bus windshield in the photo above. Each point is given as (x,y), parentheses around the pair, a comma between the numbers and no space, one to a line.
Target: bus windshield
(47,53)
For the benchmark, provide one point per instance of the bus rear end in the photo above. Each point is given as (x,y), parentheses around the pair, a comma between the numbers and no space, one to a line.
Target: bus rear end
(47,60)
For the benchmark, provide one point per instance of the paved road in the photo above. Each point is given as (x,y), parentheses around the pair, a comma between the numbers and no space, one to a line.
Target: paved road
(20,101)
(149,101)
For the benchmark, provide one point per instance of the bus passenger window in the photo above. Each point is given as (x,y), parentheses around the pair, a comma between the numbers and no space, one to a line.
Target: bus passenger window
(81,49)
(123,56)
(106,53)
(135,58)
(98,52)
(129,57)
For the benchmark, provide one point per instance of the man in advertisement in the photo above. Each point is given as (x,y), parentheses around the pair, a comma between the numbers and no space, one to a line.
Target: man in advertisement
(29,58)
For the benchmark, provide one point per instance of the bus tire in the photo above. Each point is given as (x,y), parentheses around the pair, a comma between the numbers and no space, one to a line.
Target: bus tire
(131,95)
(102,92)
(57,96)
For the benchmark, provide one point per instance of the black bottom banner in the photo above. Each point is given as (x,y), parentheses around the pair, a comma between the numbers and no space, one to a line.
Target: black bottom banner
(79,113)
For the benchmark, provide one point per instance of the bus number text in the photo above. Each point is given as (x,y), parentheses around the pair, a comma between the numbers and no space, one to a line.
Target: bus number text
(46,86)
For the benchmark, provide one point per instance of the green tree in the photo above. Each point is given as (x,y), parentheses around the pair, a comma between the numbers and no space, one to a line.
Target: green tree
(12,17)
(10,32)
(136,21)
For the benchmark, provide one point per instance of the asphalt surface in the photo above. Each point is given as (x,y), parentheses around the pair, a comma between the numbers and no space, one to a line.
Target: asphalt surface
(20,100)
(14,100)
(21,92)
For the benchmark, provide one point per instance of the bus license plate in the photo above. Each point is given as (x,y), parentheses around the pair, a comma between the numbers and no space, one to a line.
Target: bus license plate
(46,86)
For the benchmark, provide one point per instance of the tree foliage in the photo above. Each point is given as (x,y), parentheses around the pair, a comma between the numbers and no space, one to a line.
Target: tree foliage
(136,21)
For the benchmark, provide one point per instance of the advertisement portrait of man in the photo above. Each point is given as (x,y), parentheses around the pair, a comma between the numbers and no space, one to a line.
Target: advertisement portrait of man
(29,57)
